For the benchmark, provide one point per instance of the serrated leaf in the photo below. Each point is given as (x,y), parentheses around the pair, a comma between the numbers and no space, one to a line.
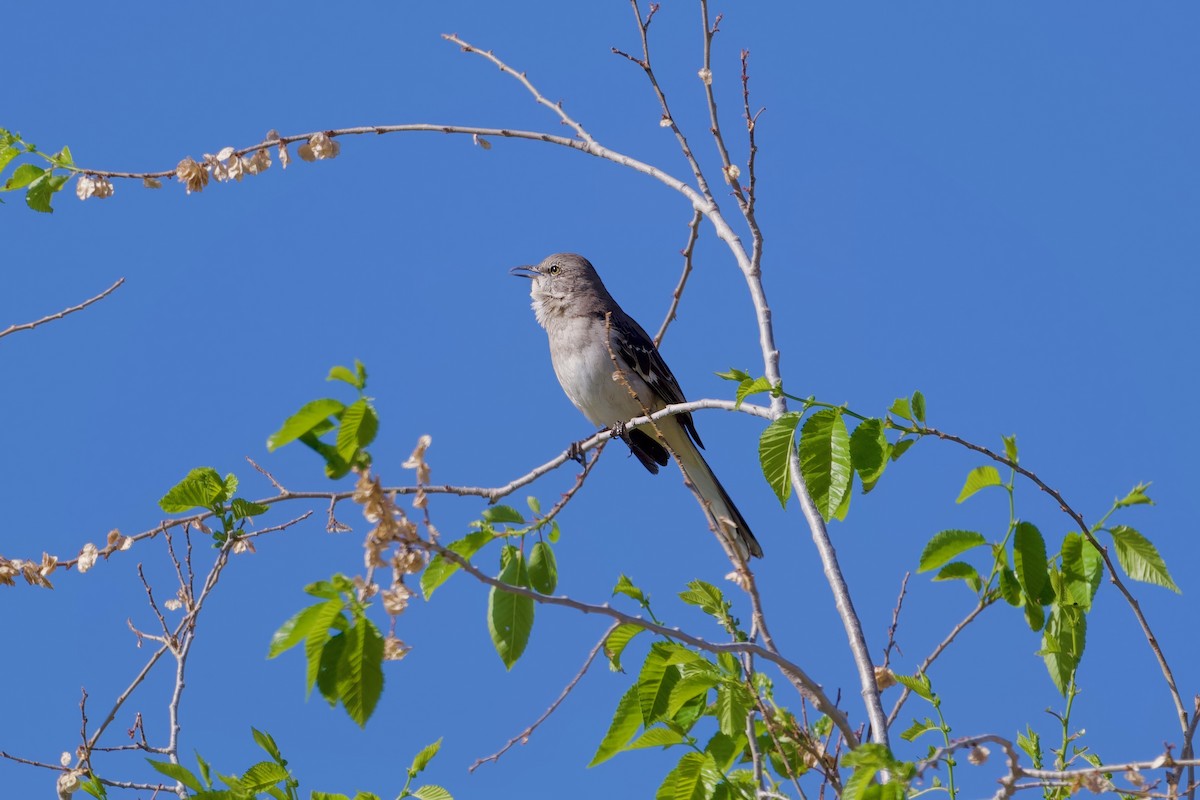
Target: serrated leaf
(177,772)
(1010,588)
(22,176)
(422,759)
(749,387)
(431,791)
(732,706)
(945,545)
(901,447)
(960,570)
(695,777)
(340,373)
(869,449)
(825,459)
(1029,559)
(1063,644)
(901,408)
(498,515)
(1010,448)
(294,630)
(440,568)
(708,597)
(688,688)
(1082,569)
(534,504)
(205,772)
(1140,559)
(774,454)
(543,569)
(358,427)
(918,728)
(917,404)
(360,669)
(319,651)
(625,722)
(39,192)
(656,737)
(655,682)
(308,417)
(510,616)
(263,774)
(7,154)
(917,684)
(617,641)
(1137,496)
(1035,616)
(244,508)
(625,586)
(267,743)
(979,478)
(734,374)
(201,488)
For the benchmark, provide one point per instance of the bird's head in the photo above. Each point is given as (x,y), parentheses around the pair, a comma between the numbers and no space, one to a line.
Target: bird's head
(558,282)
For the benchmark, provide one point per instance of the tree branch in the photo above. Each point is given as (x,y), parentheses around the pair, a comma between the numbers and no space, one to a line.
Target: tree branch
(31,325)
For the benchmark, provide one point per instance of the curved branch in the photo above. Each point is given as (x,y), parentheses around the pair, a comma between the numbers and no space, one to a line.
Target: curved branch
(51,318)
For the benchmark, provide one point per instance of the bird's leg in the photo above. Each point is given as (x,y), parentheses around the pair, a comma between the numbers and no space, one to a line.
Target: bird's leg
(619,430)
(575,451)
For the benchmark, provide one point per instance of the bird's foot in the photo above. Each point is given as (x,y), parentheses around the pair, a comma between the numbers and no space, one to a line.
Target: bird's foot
(618,430)
(575,452)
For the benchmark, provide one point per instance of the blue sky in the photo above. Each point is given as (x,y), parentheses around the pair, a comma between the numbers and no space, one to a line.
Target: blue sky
(993,203)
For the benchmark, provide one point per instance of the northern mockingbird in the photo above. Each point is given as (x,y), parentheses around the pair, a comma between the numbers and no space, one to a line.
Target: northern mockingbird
(600,353)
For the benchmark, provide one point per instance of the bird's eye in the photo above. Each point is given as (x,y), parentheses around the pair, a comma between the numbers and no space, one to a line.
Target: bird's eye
(554,269)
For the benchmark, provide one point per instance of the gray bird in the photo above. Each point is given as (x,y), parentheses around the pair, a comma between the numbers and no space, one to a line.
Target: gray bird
(571,303)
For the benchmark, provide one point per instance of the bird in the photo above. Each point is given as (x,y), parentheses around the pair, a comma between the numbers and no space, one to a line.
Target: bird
(600,354)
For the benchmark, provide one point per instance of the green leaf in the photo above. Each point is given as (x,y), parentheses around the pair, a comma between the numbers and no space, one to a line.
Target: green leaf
(918,728)
(1029,558)
(625,586)
(1034,615)
(22,176)
(94,787)
(498,515)
(308,417)
(869,450)
(774,453)
(1063,643)
(319,651)
(7,154)
(655,682)
(440,568)
(901,447)
(725,750)
(510,616)
(625,723)
(616,642)
(979,478)
(901,408)
(328,796)
(736,375)
(360,669)
(708,597)
(262,775)
(1010,448)
(543,569)
(918,684)
(690,687)
(732,706)
(1140,559)
(340,373)
(202,488)
(38,193)
(205,772)
(748,387)
(431,791)
(1137,496)
(946,545)
(917,404)
(695,777)
(422,759)
(244,508)
(534,504)
(656,737)
(1082,569)
(825,459)
(177,772)
(1010,588)
(267,743)
(358,427)
(326,677)
(959,570)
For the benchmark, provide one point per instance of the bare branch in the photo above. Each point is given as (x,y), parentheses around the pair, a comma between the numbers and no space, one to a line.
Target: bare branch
(887,651)
(31,325)
(524,735)
(686,252)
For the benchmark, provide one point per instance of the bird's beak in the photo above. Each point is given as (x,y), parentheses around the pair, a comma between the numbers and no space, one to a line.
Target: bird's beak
(523,272)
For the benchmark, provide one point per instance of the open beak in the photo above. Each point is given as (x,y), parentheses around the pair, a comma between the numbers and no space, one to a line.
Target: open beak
(523,272)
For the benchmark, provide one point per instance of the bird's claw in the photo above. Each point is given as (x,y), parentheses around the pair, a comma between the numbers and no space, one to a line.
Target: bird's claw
(575,452)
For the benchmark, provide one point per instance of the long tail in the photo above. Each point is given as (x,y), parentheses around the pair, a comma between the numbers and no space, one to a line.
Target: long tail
(710,489)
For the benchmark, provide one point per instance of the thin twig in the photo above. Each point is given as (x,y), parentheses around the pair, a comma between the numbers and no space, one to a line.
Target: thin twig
(686,252)
(887,651)
(524,735)
(937,651)
(31,325)
(520,76)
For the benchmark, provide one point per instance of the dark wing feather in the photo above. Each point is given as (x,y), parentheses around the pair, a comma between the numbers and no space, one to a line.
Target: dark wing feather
(636,349)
